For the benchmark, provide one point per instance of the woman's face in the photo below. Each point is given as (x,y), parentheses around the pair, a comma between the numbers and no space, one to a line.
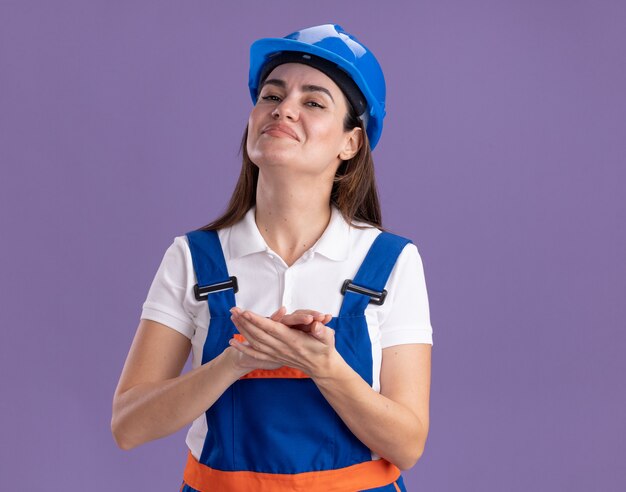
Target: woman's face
(298,122)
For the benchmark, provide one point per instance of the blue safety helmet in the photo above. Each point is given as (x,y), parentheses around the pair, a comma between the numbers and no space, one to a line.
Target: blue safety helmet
(331,43)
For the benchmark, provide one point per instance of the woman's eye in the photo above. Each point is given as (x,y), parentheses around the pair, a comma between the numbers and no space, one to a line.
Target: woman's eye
(272,97)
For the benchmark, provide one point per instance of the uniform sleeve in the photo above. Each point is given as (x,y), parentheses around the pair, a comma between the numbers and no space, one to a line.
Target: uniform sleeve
(168,297)
(406,318)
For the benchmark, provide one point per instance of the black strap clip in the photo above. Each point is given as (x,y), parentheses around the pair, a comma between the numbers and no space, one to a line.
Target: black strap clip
(202,293)
(377,298)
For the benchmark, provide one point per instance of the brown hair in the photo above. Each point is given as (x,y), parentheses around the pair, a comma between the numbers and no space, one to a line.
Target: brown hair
(354,185)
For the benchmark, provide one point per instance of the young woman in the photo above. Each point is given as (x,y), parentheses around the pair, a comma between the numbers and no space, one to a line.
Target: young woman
(309,323)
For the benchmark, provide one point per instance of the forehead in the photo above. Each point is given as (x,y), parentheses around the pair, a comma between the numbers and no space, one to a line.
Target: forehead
(299,73)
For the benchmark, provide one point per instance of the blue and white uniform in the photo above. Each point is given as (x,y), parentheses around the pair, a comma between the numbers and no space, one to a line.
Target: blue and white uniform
(277,432)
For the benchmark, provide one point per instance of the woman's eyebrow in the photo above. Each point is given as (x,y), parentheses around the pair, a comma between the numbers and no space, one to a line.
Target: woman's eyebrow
(306,88)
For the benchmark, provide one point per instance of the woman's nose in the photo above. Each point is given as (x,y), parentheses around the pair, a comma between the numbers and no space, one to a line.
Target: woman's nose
(287,108)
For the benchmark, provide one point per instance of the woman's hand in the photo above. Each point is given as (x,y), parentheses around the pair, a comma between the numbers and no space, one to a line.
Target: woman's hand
(299,340)
(302,319)
(248,363)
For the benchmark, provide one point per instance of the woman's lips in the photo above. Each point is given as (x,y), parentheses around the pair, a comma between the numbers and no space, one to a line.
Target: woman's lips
(280,131)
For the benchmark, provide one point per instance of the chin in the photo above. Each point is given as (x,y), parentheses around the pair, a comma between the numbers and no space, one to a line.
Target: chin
(273,157)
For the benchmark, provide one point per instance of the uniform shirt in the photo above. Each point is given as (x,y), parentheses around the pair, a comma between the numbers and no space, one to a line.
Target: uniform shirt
(312,282)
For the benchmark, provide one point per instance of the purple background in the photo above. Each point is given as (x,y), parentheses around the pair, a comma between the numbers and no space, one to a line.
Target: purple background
(502,157)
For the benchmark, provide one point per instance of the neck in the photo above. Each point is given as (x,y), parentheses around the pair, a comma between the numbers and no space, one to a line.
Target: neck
(292,213)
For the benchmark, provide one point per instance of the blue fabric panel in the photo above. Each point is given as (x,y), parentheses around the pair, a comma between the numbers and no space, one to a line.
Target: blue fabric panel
(221,330)
(219,450)
(210,267)
(353,342)
(401,484)
(207,257)
(283,422)
(300,427)
(374,271)
(283,426)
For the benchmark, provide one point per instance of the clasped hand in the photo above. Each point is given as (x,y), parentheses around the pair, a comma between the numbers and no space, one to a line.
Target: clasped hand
(299,340)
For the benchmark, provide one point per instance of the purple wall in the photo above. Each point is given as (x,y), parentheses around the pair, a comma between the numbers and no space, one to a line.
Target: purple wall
(502,157)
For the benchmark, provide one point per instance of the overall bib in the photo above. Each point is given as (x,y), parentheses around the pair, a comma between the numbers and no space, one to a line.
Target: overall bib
(273,431)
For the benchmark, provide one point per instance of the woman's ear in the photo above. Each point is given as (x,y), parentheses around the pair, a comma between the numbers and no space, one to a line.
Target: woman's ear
(354,140)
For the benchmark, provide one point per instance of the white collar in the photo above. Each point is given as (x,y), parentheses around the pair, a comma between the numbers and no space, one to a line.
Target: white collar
(334,243)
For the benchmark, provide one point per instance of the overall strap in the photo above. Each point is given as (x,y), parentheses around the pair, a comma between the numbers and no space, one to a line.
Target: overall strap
(369,283)
(214,283)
